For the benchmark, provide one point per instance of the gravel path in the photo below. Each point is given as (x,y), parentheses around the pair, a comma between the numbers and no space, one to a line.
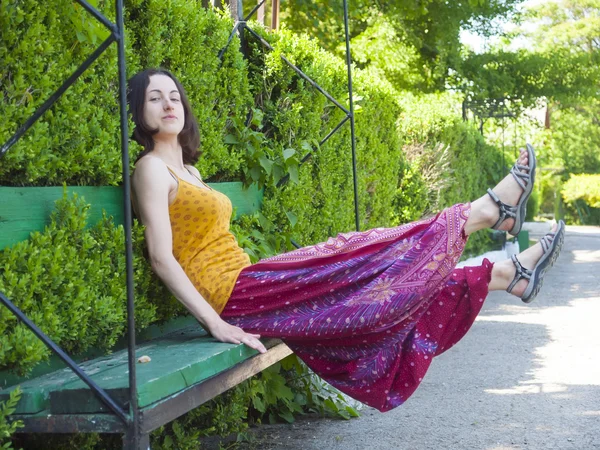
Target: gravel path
(524,377)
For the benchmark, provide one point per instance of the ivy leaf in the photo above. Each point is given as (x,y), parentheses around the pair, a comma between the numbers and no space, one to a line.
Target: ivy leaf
(278,173)
(331,405)
(255,173)
(266,164)
(353,412)
(289,362)
(258,404)
(287,416)
(293,170)
(288,153)
(306,146)
(265,223)
(230,139)
(300,400)
(292,218)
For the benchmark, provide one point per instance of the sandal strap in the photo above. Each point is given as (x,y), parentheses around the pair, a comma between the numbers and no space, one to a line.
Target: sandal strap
(505,211)
(519,175)
(521,274)
(546,241)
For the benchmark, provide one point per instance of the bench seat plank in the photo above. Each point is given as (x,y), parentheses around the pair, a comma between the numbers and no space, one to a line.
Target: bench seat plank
(36,391)
(161,412)
(178,360)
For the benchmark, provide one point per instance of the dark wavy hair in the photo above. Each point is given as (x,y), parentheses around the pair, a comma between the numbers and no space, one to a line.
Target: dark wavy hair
(189,137)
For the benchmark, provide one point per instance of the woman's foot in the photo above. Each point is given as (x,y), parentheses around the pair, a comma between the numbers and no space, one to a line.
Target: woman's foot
(486,212)
(517,275)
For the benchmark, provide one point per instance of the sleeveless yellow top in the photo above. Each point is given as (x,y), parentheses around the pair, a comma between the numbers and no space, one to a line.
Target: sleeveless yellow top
(202,242)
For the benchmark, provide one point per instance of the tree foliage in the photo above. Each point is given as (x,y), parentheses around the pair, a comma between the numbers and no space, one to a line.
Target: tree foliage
(415,42)
(559,63)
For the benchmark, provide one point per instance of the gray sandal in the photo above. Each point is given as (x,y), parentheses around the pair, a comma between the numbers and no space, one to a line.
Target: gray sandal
(525,180)
(551,245)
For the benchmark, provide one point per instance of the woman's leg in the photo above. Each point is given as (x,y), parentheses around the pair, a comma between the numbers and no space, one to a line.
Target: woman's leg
(504,272)
(466,290)
(485,212)
(368,311)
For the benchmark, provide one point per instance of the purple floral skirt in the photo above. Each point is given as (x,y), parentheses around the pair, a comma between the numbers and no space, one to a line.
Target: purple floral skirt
(367,311)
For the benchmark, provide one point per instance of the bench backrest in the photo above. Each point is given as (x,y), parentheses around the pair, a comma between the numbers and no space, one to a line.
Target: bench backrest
(27,209)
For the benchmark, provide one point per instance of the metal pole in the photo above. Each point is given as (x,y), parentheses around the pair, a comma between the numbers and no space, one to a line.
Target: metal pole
(98,16)
(351,115)
(298,71)
(242,25)
(54,97)
(133,407)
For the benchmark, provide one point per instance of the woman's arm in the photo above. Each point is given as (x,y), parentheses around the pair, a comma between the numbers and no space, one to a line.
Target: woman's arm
(152,183)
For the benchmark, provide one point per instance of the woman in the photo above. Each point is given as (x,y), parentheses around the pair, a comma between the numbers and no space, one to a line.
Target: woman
(366,311)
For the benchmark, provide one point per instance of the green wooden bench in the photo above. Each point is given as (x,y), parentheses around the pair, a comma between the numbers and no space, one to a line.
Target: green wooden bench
(187,367)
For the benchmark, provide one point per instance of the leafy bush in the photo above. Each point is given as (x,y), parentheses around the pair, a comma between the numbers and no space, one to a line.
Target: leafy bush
(78,140)
(582,194)
(450,157)
(296,116)
(582,187)
(70,281)
(280,392)
(574,138)
(8,428)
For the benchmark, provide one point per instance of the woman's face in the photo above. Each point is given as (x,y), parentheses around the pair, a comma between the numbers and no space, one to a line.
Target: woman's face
(163,110)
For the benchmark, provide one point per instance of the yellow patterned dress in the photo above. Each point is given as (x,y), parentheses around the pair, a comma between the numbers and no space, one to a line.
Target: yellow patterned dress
(202,242)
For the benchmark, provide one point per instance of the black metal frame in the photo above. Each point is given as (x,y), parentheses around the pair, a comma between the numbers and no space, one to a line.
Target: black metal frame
(130,423)
(486,109)
(241,25)
(117,34)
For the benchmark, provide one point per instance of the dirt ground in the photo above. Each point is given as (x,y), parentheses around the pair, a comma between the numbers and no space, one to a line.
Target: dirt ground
(524,377)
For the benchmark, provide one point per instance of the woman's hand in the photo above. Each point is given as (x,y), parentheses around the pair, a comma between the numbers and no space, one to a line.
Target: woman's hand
(224,332)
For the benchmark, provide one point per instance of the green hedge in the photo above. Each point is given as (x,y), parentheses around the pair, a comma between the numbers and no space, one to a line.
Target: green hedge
(582,187)
(77,142)
(449,156)
(295,114)
(581,193)
(70,281)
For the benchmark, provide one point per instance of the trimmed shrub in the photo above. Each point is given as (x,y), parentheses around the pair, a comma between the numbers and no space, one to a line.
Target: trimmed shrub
(450,156)
(70,281)
(297,116)
(582,194)
(582,187)
(78,140)
(7,428)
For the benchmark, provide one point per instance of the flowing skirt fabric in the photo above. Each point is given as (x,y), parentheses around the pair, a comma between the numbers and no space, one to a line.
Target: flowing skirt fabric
(367,311)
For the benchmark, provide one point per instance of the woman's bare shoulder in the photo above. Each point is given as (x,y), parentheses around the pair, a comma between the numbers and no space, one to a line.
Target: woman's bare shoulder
(150,169)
